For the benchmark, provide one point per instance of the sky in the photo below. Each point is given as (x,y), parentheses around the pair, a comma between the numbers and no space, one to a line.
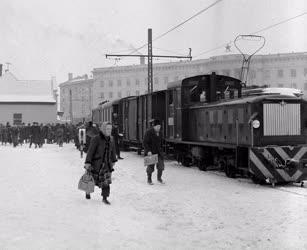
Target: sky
(42,38)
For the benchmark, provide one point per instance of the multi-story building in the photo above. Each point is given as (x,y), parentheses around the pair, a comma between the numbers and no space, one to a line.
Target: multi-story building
(80,95)
(76,100)
(276,70)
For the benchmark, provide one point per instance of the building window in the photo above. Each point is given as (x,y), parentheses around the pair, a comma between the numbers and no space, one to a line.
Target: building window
(128,82)
(156,80)
(110,83)
(119,94)
(137,82)
(128,92)
(165,79)
(252,74)
(176,78)
(267,74)
(280,73)
(119,83)
(137,92)
(102,84)
(17,119)
(101,95)
(293,85)
(110,94)
(280,85)
(293,72)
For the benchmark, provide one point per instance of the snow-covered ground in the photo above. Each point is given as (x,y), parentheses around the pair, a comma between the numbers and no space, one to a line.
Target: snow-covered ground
(41,207)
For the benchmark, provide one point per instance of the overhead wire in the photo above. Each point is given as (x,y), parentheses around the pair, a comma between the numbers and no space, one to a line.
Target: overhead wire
(256,32)
(178,25)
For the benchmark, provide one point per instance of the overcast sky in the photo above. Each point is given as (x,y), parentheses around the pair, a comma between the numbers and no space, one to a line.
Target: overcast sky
(44,38)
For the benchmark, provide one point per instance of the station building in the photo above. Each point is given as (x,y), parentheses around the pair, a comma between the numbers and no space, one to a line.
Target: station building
(26,101)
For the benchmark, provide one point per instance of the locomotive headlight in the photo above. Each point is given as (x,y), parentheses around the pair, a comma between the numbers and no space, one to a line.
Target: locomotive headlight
(256,124)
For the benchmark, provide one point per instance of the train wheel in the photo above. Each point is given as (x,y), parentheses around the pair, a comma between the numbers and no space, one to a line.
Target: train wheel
(139,151)
(201,165)
(230,171)
(186,162)
(256,180)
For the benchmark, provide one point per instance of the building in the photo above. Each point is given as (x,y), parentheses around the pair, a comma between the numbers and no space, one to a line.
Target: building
(26,101)
(109,83)
(276,70)
(76,98)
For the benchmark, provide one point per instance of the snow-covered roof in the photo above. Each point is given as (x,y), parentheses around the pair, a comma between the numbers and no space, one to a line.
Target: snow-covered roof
(14,90)
(26,98)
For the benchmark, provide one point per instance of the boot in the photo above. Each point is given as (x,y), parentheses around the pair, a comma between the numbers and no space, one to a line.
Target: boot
(159,177)
(149,180)
(105,201)
(87,196)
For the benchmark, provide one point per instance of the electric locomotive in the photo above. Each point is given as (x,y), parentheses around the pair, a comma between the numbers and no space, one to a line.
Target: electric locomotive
(212,122)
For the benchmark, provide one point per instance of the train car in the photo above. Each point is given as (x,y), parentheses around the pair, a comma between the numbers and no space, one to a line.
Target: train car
(210,122)
(105,112)
(138,112)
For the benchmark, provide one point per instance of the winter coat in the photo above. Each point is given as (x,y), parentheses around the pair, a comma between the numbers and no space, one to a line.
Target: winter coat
(101,155)
(36,134)
(152,142)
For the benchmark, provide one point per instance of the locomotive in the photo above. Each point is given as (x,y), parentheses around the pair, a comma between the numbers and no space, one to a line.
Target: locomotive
(210,120)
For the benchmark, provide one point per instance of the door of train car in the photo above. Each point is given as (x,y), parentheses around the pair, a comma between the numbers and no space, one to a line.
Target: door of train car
(125,119)
(132,119)
(140,116)
(158,109)
(121,116)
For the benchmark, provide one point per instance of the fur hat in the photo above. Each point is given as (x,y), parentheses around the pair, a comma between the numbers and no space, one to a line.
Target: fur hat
(156,122)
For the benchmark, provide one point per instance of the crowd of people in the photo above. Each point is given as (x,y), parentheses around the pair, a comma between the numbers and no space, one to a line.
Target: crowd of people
(37,134)
(101,144)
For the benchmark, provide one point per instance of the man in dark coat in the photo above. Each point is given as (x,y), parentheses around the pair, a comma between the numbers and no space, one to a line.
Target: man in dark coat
(100,159)
(35,134)
(152,145)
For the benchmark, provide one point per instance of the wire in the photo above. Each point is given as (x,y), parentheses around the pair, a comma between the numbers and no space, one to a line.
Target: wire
(178,25)
(256,32)
(170,51)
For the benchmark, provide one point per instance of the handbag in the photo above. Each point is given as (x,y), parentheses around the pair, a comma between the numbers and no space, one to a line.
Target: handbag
(86,183)
(150,159)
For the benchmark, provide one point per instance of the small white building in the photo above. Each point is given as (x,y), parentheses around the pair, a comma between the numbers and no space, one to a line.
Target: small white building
(26,101)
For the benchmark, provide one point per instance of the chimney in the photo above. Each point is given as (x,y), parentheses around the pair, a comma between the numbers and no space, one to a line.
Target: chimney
(142,60)
(70,76)
(1,69)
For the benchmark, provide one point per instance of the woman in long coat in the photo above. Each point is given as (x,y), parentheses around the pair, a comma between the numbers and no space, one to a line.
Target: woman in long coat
(100,160)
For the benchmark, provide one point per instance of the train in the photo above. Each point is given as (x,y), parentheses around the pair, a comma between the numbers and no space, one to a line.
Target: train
(212,120)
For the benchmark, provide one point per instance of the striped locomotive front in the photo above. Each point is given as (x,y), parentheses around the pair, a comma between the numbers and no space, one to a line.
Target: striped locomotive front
(279,164)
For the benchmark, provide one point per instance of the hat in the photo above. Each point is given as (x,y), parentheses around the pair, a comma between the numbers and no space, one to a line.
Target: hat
(156,122)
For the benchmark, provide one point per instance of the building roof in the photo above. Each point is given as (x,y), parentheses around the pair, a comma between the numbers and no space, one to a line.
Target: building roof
(14,90)
(77,80)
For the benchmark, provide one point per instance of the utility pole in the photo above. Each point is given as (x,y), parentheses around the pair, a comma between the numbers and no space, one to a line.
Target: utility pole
(149,62)
(150,56)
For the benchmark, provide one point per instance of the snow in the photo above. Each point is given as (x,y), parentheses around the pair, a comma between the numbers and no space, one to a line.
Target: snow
(41,207)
